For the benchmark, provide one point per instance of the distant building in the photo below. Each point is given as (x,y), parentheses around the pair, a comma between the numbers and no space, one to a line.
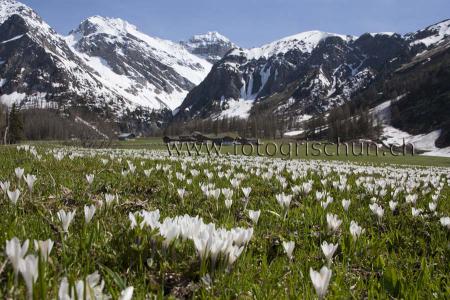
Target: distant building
(200,137)
(226,140)
(186,138)
(197,137)
(126,136)
(168,139)
(247,141)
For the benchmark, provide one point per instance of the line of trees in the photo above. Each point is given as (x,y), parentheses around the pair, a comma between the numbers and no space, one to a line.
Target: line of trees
(49,124)
(346,122)
(261,126)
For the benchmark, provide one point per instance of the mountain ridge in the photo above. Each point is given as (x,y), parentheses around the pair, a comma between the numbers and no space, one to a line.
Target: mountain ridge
(109,67)
(250,70)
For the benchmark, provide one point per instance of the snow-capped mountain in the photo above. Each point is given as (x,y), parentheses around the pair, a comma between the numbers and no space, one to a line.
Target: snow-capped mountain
(304,74)
(110,68)
(307,73)
(38,68)
(105,65)
(148,71)
(211,46)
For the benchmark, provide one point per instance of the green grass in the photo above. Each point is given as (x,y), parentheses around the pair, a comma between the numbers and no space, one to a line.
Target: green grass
(399,257)
(384,156)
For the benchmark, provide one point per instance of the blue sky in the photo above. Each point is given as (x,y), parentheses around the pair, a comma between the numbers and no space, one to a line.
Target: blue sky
(249,23)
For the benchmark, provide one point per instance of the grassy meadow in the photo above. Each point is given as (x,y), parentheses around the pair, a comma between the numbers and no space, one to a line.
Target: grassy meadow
(148,225)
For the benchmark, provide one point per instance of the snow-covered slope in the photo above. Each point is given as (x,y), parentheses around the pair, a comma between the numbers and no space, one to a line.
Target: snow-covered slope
(38,68)
(432,35)
(211,45)
(148,71)
(304,42)
(104,64)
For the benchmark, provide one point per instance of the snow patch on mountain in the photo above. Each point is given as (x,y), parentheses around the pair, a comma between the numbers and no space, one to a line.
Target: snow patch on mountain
(13,39)
(293,133)
(421,142)
(86,123)
(393,136)
(374,34)
(13,98)
(443,152)
(236,109)
(438,33)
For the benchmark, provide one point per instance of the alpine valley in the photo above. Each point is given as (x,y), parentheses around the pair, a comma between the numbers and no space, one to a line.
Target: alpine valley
(109,70)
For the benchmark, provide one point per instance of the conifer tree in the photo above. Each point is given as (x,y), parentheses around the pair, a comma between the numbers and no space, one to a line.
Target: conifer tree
(15,126)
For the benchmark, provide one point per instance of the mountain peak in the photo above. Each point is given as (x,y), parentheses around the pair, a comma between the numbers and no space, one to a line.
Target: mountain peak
(13,7)
(98,24)
(211,45)
(10,7)
(210,36)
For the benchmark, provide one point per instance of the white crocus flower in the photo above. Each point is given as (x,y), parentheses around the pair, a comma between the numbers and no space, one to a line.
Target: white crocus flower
(66,219)
(30,180)
(227,193)
(30,271)
(289,249)
(445,221)
(355,230)
(254,215)
(19,173)
(377,210)
(44,248)
(5,186)
(228,203)
(284,200)
(181,193)
(13,196)
(333,222)
(90,178)
(133,221)
(127,294)
(15,252)
(432,206)
(109,199)
(320,280)
(233,254)
(393,205)
(246,191)
(328,250)
(89,289)
(415,212)
(89,212)
(346,204)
